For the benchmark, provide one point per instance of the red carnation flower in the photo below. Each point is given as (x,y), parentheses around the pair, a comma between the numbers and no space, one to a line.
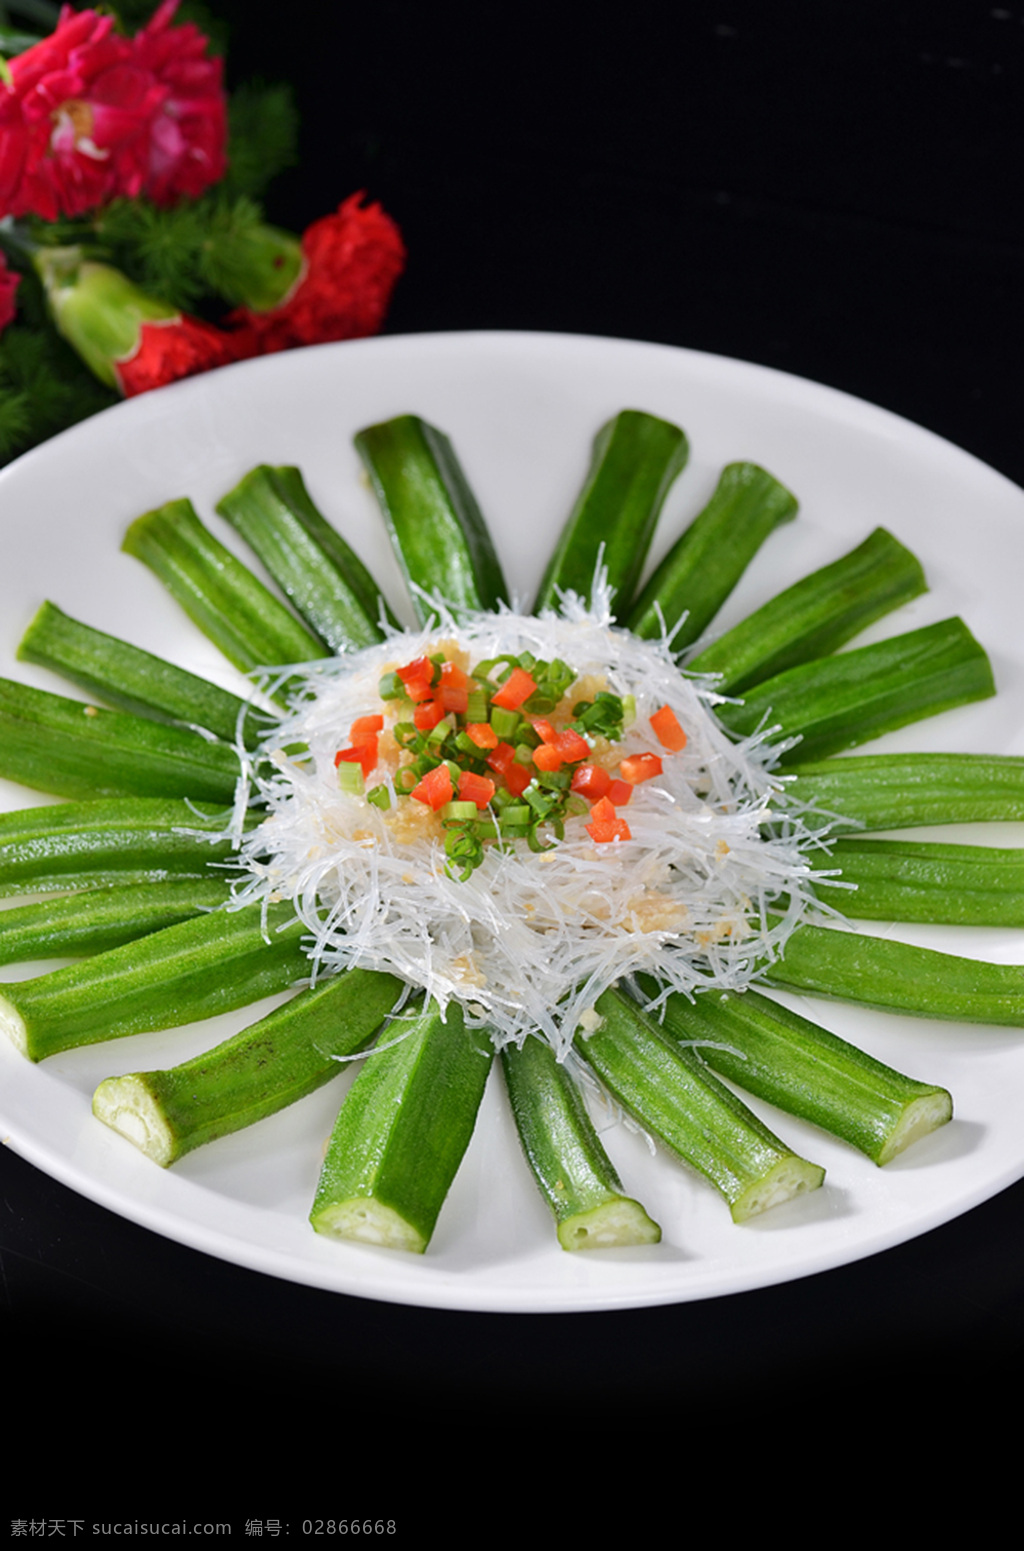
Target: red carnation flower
(128,339)
(188,133)
(65,119)
(172,348)
(351,261)
(9,283)
(89,115)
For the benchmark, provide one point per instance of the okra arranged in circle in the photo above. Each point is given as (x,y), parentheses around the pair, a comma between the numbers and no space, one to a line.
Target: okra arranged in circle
(75,750)
(897,977)
(324,579)
(674,1095)
(291,1052)
(839,702)
(94,920)
(143,843)
(132,680)
(402,1131)
(437,530)
(704,565)
(219,594)
(80,845)
(635,459)
(814,617)
(573,1172)
(902,791)
(182,974)
(795,1064)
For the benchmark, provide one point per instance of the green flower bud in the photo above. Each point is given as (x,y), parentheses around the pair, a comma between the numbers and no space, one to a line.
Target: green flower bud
(256,266)
(98,310)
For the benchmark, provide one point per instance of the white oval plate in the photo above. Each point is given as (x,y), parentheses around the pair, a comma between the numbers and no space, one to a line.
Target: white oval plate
(522,409)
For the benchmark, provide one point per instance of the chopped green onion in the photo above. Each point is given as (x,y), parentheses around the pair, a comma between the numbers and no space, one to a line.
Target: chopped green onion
(350,778)
(459,811)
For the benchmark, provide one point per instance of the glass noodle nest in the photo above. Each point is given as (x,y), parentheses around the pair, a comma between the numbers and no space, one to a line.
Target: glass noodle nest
(528,942)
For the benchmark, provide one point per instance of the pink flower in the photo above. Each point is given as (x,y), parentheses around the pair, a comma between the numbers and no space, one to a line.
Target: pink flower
(184,150)
(90,115)
(65,119)
(9,283)
(351,261)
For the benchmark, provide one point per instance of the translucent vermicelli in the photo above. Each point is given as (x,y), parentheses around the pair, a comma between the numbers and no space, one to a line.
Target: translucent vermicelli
(529,941)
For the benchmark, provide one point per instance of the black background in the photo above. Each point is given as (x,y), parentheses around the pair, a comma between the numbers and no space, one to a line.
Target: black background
(831,189)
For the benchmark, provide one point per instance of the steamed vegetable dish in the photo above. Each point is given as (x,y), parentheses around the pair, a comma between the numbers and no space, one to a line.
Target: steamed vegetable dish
(587,841)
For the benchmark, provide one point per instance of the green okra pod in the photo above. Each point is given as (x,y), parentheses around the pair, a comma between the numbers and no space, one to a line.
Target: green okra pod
(182,974)
(436,527)
(293,1051)
(915,880)
(573,1172)
(402,1131)
(324,579)
(896,977)
(94,920)
(133,680)
(76,845)
(219,594)
(635,459)
(672,1094)
(795,1064)
(705,563)
(816,616)
(901,791)
(75,750)
(838,702)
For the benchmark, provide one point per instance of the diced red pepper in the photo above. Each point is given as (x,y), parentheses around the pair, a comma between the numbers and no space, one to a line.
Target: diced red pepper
(443,689)
(603,811)
(454,676)
(475,788)
(502,758)
(427,715)
(418,678)
(605,824)
(455,685)
(420,668)
(519,686)
(547,758)
(571,746)
(364,727)
(640,767)
(590,781)
(517,778)
(666,728)
(568,744)
(435,789)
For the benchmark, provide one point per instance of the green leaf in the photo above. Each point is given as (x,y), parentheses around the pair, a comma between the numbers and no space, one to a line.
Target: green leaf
(263,136)
(44,388)
(182,255)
